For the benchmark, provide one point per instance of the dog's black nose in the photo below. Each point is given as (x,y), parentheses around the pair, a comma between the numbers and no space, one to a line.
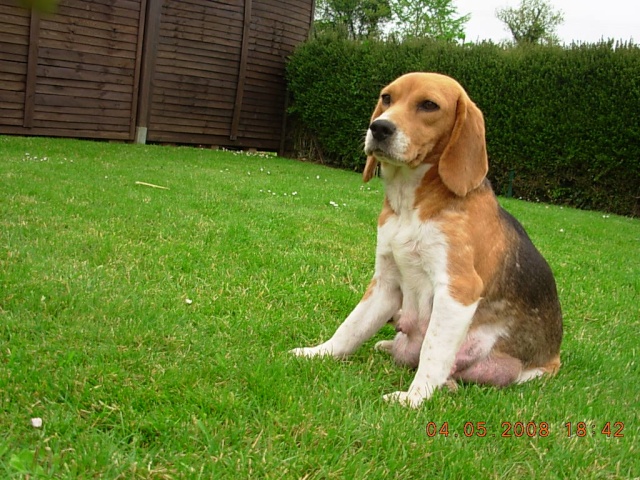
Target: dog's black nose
(382,129)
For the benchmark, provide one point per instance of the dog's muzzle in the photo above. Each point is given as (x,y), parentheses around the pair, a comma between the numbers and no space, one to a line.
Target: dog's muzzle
(385,141)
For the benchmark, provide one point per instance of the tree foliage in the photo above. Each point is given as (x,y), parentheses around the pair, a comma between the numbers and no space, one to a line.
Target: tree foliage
(352,19)
(534,21)
(400,19)
(435,19)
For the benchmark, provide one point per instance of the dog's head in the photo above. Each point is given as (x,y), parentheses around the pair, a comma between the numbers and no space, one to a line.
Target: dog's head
(428,118)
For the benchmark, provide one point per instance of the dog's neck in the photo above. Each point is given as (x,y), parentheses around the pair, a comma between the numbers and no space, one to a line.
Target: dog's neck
(401,184)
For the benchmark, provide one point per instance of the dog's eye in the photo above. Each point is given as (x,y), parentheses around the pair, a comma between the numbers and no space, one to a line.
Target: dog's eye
(428,106)
(385,98)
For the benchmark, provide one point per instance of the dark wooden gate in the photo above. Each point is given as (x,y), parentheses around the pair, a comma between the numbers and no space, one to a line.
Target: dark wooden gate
(72,74)
(187,71)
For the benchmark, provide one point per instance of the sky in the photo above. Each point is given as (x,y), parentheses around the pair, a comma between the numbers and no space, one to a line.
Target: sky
(584,20)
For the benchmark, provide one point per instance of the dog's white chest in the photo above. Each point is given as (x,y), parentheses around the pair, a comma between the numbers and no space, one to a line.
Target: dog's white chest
(417,249)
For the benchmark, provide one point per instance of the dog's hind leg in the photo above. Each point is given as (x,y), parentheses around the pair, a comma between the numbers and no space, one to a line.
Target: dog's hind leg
(495,369)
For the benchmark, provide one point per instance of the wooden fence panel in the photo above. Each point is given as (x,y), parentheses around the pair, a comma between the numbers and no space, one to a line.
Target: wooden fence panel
(188,71)
(14,56)
(74,73)
(218,74)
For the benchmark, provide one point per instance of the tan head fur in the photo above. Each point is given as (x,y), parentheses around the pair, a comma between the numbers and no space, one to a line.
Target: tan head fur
(436,122)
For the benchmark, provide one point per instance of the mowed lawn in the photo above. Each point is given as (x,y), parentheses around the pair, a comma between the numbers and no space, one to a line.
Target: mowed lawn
(149,329)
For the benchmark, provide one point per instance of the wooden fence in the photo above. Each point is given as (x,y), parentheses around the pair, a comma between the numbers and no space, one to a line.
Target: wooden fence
(180,71)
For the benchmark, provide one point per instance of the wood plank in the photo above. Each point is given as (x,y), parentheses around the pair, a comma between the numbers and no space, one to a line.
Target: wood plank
(222,48)
(84,58)
(177,80)
(14,10)
(12,85)
(53,131)
(193,101)
(149,62)
(17,21)
(187,90)
(79,48)
(64,119)
(14,35)
(213,64)
(10,122)
(74,40)
(294,9)
(236,4)
(76,28)
(123,114)
(60,22)
(13,100)
(265,34)
(82,93)
(13,68)
(173,63)
(242,70)
(79,125)
(220,140)
(227,51)
(85,68)
(208,20)
(99,13)
(125,4)
(135,99)
(63,101)
(84,75)
(13,111)
(201,114)
(209,129)
(31,74)
(63,84)
(211,11)
(211,125)
(229,39)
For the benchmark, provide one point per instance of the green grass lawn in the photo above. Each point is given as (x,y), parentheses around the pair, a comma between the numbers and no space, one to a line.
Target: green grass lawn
(149,329)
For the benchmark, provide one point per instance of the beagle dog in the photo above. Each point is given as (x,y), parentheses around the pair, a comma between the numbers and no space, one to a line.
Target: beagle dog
(470,296)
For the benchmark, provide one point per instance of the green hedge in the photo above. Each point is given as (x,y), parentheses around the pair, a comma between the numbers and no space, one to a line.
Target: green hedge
(565,121)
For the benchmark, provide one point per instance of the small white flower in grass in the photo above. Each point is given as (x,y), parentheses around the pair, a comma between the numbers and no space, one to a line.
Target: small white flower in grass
(333,204)
(294,193)
(36,422)
(562,230)
(317,177)
(188,301)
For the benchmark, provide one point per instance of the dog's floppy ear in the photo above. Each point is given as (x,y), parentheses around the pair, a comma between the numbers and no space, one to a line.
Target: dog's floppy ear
(369,168)
(464,164)
(372,163)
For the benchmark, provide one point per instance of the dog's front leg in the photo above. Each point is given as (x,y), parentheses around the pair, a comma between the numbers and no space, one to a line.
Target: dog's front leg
(379,304)
(450,321)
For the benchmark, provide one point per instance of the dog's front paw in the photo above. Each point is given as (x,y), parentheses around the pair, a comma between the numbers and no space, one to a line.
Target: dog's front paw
(384,346)
(413,398)
(310,352)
